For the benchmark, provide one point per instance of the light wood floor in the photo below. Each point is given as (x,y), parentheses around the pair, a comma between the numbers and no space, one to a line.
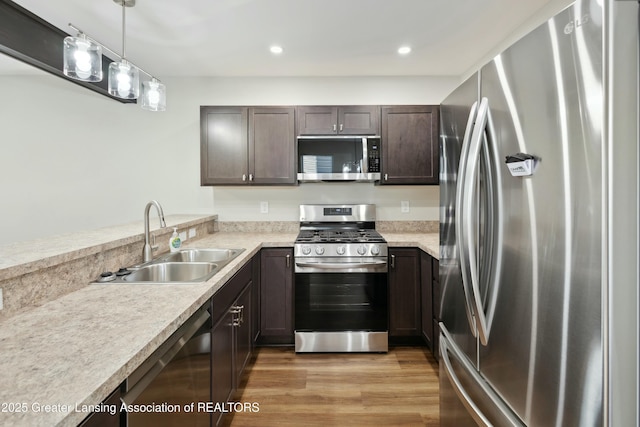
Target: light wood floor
(399,388)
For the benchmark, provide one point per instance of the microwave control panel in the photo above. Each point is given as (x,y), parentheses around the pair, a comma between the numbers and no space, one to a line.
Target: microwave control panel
(373,151)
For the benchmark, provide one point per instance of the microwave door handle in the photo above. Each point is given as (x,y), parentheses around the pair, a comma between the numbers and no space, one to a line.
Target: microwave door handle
(364,167)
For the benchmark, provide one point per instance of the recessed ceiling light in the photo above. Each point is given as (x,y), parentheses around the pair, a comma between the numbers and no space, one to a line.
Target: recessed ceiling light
(404,50)
(276,49)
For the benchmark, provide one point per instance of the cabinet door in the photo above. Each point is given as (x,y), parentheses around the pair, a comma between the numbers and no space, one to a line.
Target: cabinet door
(222,373)
(359,120)
(437,309)
(342,120)
(223,145)
(410,145)
(255,298)
(321,120)
(276,296)
(404,293)
(272,145)
(426,298)
(244,341)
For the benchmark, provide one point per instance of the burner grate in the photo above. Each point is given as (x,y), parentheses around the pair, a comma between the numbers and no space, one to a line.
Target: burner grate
(339,236)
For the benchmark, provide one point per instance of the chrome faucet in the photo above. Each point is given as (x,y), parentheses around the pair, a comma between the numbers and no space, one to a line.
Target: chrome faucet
(147,251)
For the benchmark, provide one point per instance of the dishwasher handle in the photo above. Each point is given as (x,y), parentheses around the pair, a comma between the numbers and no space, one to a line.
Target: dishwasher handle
(160,361)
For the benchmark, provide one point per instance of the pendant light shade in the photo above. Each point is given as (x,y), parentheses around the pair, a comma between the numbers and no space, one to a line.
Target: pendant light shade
(82,59)
(124,80)
(154,95)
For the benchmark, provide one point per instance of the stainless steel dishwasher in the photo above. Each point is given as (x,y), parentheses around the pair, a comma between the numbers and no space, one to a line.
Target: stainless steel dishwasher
(167,388)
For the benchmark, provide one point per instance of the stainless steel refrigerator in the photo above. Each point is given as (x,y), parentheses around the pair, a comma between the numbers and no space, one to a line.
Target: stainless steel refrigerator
(539,228)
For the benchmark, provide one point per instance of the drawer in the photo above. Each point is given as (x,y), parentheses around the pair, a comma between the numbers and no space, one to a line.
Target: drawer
(228,293)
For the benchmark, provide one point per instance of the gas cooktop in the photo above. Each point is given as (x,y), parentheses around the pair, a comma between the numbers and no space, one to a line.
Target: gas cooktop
(339,236)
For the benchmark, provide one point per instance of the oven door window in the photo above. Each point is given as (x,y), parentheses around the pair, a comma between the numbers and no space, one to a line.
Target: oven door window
(332,302)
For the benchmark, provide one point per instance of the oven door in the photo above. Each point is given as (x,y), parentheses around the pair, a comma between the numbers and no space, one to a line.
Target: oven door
(331,299)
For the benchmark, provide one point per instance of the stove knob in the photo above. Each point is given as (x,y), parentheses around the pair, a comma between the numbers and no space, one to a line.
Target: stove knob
(375,250)
(319,250)
(361,250)
(341,250)
(306,250)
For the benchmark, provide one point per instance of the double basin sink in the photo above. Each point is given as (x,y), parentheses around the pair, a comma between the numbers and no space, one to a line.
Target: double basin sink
(184,266)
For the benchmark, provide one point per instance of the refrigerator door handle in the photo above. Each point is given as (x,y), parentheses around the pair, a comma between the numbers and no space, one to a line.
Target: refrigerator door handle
(468,197)
(447,345)
(459,207)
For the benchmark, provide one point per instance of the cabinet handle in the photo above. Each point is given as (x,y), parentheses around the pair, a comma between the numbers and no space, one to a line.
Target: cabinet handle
(334,127)
(393,261)
(251,177)
(237,309)
(341,127)
(244,177)
(386,176)
(288,261)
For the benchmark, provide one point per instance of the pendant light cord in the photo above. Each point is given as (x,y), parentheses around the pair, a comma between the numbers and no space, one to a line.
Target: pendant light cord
(124,52)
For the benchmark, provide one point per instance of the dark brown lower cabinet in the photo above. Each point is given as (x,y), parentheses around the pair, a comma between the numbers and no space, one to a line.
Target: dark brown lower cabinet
(276,296)
(222,362)
(426,296)
(244,340)
(437,310)
(405,320)
(231,337)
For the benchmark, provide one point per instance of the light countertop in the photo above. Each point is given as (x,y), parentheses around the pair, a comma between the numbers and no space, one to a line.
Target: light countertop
(75,350)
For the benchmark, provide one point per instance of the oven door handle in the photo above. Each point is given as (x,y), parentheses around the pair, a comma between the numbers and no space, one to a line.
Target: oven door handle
(162,360)
(341,265)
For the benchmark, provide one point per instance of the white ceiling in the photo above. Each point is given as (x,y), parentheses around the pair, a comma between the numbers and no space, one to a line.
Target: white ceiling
(319,37)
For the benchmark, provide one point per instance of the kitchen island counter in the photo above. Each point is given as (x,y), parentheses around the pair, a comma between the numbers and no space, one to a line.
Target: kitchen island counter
(72,352)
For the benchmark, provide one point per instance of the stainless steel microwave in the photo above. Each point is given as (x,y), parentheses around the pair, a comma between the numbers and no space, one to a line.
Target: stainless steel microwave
(338,158)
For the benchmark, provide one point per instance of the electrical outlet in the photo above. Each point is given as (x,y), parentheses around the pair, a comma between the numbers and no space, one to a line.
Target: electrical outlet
(404,206)
(1,301)
(264,207)
(183,236)
(192,233)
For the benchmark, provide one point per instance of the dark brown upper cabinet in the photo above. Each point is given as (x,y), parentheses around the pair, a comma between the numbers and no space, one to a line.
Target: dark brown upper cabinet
(342,120)
(410,148)
(247,145)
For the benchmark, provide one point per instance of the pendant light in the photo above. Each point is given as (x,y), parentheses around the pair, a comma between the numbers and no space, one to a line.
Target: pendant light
(154,95)
(83,61)
(124,78)
(82,58)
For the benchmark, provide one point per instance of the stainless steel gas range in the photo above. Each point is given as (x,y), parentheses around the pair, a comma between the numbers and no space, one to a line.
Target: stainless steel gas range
(341,291)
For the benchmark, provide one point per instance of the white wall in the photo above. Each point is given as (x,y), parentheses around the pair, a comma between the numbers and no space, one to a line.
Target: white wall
(73,160)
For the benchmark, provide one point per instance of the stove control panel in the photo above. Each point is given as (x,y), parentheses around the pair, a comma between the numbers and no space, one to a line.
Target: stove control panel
(340,250)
